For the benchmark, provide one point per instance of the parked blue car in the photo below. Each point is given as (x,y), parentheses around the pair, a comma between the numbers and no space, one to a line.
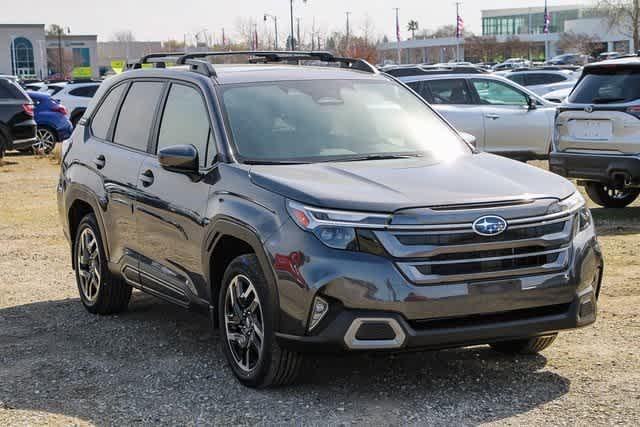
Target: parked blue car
(52,119)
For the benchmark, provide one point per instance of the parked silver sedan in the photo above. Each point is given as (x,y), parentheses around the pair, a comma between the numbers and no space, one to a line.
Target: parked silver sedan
(505,117)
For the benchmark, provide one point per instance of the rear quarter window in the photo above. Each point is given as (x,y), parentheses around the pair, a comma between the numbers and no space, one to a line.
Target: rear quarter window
(607,86)
(101,121)
(8,90)
(84,91)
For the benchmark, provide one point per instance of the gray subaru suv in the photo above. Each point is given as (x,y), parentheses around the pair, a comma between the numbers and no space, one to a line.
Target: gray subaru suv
(308,203)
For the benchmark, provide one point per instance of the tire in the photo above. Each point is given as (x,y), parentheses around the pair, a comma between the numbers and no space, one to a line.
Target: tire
(268,364)
(100,291)
(605,196)
(526,346)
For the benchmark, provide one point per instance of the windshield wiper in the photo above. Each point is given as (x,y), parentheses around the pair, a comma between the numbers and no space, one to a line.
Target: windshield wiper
(380,157)
(606,100)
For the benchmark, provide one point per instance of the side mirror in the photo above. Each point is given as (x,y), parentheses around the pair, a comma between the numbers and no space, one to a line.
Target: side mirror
(179,158)
(469,139)
(531,103)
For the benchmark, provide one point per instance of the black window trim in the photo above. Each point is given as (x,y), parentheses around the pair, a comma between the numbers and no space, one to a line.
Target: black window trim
(155,129)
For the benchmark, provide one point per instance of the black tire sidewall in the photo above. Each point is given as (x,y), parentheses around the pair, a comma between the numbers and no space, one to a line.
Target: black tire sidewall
(89,221)
(599,196)
(248,265)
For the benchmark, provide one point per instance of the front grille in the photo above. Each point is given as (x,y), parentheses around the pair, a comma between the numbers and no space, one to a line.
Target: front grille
(442,254)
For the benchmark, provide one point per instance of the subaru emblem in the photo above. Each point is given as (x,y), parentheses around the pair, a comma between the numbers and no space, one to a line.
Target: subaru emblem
(489,225)
(588,109)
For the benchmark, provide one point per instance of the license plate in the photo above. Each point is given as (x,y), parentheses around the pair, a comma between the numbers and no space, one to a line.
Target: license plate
(591,129)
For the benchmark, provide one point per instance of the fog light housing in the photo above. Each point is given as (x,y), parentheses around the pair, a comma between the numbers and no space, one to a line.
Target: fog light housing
(318,312)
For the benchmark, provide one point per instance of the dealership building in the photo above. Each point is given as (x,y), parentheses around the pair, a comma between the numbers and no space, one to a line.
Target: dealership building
(27,51)
(525,23)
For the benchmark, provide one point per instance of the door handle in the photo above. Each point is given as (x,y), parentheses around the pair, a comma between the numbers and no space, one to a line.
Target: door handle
(492,116)
(146,178)
(100,161)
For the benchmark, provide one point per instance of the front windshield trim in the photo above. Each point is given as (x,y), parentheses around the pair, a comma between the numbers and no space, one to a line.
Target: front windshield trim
(240,158)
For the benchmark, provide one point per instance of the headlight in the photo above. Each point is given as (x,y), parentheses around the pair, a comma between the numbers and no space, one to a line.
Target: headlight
(585,218)
(336,229)
(570,204)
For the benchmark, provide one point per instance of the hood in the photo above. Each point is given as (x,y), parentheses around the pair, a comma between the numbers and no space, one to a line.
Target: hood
(390,185)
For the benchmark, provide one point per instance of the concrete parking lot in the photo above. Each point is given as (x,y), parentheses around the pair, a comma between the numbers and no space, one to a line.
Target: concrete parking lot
(157,364)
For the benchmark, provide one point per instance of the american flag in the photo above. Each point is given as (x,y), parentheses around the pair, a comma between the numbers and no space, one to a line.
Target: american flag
(459,26)
(547,19)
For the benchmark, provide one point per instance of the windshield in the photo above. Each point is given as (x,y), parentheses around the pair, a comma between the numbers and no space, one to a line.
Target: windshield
(607,87)
(327,120)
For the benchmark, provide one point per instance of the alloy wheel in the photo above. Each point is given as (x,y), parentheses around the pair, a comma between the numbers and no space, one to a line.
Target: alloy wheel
(88,264)
(244,322)
(45,141)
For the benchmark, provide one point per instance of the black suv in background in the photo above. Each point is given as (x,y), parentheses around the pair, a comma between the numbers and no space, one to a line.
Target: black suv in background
(17,124)
(317,208)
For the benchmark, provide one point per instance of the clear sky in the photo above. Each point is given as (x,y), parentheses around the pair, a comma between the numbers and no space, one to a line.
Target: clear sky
(164,19)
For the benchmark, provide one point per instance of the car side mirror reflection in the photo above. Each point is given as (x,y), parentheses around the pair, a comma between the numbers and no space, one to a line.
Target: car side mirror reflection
(469,139)
(179,158)
(532,104)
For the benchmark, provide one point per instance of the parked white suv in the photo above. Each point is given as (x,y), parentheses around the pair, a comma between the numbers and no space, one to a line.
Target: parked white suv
(597,136)
(75,96)
(504,117)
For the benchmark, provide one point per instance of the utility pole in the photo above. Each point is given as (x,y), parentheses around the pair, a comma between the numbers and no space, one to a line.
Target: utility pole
(298,40)
(292,41)
(398,35)
(60,70)
(347,41)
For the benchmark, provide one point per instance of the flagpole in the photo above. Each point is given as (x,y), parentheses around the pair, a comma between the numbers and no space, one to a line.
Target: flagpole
(398,36)
(457,31)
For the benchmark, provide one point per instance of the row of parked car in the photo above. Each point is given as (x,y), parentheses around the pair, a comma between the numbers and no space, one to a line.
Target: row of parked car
(584,119)
(35,116)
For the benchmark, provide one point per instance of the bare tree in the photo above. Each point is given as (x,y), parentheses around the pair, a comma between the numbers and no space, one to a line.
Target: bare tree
(623,15)
(123,36)
(481,48)
(576,42)
(55,29)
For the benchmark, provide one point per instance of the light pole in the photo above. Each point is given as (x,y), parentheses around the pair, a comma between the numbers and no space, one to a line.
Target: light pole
(275,23)
(398,35)
(293,40)
(347,13)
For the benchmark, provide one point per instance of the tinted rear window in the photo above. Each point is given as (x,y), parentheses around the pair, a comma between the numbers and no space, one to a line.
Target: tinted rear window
(607,87)
(10,90)
(136,115)
(104,116)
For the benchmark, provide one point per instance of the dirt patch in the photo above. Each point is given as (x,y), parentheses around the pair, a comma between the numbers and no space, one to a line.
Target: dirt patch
(163,365)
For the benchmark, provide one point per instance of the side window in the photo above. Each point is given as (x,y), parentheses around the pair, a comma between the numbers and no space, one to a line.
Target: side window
(85,91)
(497,93)
(452,91)
(136,115)
(421,89)
(186,121)
(103,117)
(518,78)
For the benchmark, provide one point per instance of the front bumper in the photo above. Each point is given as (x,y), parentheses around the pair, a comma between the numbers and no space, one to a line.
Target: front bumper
(365,286)
(23,144)
(596,167)
(445,333)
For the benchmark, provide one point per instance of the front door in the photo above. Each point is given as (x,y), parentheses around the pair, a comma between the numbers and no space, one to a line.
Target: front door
(510,126)
(170,211)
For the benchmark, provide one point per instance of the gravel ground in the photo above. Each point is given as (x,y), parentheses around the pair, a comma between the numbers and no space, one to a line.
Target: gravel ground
(157,364)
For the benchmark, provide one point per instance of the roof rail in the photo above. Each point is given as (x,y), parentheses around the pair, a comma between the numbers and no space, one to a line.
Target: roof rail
(147,58)
(274,56)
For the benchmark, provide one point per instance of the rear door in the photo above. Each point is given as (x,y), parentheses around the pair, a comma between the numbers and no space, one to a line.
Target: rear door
(120,134)
(452,98)
(170,211)
(510,126)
